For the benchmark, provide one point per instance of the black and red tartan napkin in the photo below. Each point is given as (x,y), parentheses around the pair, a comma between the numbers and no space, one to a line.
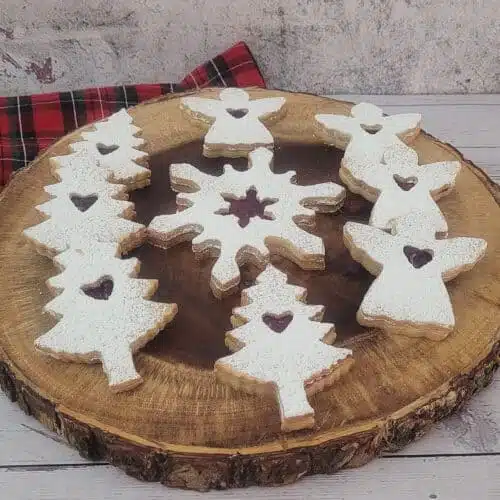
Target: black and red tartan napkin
(29,124)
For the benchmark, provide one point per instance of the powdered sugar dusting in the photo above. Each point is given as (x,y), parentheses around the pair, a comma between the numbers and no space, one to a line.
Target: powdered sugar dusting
(367,132)
(118,129)
(272,288)
(109,330)
(102,310)
(236,119)
(81,175)
(68,227)
(223,233)
(288,361)
(116,138)
(403,293)
(398,185)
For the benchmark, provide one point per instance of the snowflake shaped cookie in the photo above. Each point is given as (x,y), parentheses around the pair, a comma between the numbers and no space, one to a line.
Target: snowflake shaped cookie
(409,296)
(219,211)
(103,313)
(367,132)
(398,185)
(282,348)
(235,121)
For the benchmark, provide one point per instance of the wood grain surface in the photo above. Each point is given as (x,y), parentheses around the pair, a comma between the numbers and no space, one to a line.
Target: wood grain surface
(414,478)
(452,208)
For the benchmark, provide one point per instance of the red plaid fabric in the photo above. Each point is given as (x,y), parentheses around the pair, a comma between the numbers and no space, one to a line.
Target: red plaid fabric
(28,124)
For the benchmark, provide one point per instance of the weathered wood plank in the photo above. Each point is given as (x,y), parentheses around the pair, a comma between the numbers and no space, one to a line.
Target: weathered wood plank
(450,478)
(474,430)
(424,100)
(462,126)
(25,441)
(487,158)
(494,173)
(464,121)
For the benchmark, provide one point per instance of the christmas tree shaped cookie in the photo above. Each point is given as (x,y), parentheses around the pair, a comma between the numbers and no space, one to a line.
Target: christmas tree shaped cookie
(367,132)
(236,126)
(408,295)
(85,208)
(103,311)
(282,348)
(243,216)
(398,185)
(113,147)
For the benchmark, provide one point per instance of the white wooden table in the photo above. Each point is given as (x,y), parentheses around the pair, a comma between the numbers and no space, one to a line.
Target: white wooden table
(458,460)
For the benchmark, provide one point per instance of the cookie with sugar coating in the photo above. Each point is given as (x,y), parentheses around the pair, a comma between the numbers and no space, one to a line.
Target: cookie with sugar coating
(398,185)
(367,132)
(114,145)
(104,312)
(245,216)
(408,295)
(237,123)
(281,348)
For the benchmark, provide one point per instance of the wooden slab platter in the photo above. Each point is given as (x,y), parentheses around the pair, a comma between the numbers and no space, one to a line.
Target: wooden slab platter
(181,426)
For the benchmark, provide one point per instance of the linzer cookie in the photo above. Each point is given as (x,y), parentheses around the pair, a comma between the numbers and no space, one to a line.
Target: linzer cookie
(282,348)
(113,147)
(103,311)
(259,404)
(398,185)
(367,132)
(236,121)
(84,209)
(88,204)
(409,296)
(243,216)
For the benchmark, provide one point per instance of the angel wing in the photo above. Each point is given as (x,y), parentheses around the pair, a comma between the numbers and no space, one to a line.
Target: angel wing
(346,125)
(363,169)
(439,177)
(403,123)
(369,245)
(261,108)
(212,108)
(457,255)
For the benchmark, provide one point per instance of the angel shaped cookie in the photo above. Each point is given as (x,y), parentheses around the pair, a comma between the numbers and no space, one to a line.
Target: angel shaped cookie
(408,295)
(367,132)
(398,185)
(236,126)
(282,348)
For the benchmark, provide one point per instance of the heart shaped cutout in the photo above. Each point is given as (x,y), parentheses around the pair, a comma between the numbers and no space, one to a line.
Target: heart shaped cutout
(371,129)
(238,112)
(104,149)
(405,183)
(277,322)
(100,290)
(83,203)
(418,257)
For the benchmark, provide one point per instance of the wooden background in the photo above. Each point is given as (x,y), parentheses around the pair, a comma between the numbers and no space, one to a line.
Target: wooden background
(458,460)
